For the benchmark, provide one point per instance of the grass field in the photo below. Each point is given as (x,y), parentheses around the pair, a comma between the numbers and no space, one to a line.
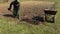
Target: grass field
(15,27)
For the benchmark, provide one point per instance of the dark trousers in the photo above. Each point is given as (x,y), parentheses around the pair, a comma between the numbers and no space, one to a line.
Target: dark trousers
(15,12)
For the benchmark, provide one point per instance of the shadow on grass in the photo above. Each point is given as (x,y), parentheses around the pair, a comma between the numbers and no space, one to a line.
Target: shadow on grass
(9,15)
(35,20)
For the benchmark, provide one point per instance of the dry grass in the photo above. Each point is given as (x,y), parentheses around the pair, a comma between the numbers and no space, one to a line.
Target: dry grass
(29,9)
(8,26)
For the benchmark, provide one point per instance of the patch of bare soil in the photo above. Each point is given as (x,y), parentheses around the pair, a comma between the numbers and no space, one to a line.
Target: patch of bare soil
(31,9)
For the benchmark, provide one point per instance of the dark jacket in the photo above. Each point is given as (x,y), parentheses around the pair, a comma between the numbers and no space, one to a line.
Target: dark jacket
(15,5)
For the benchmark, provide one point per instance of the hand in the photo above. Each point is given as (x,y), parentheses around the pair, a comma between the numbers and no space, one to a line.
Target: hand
(8,8)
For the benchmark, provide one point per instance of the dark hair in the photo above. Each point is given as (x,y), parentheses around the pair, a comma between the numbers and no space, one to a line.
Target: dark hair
(15,0)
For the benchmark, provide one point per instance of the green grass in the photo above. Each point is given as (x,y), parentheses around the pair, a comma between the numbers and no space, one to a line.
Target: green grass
(11,27)
(8,27)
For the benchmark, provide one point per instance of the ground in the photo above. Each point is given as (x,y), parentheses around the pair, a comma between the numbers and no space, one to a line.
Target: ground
(9,25)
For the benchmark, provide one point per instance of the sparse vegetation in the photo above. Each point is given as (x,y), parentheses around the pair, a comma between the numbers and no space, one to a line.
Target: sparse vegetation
(13,26)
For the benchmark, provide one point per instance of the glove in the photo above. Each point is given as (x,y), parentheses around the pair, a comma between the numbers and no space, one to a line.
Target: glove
(8,8)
